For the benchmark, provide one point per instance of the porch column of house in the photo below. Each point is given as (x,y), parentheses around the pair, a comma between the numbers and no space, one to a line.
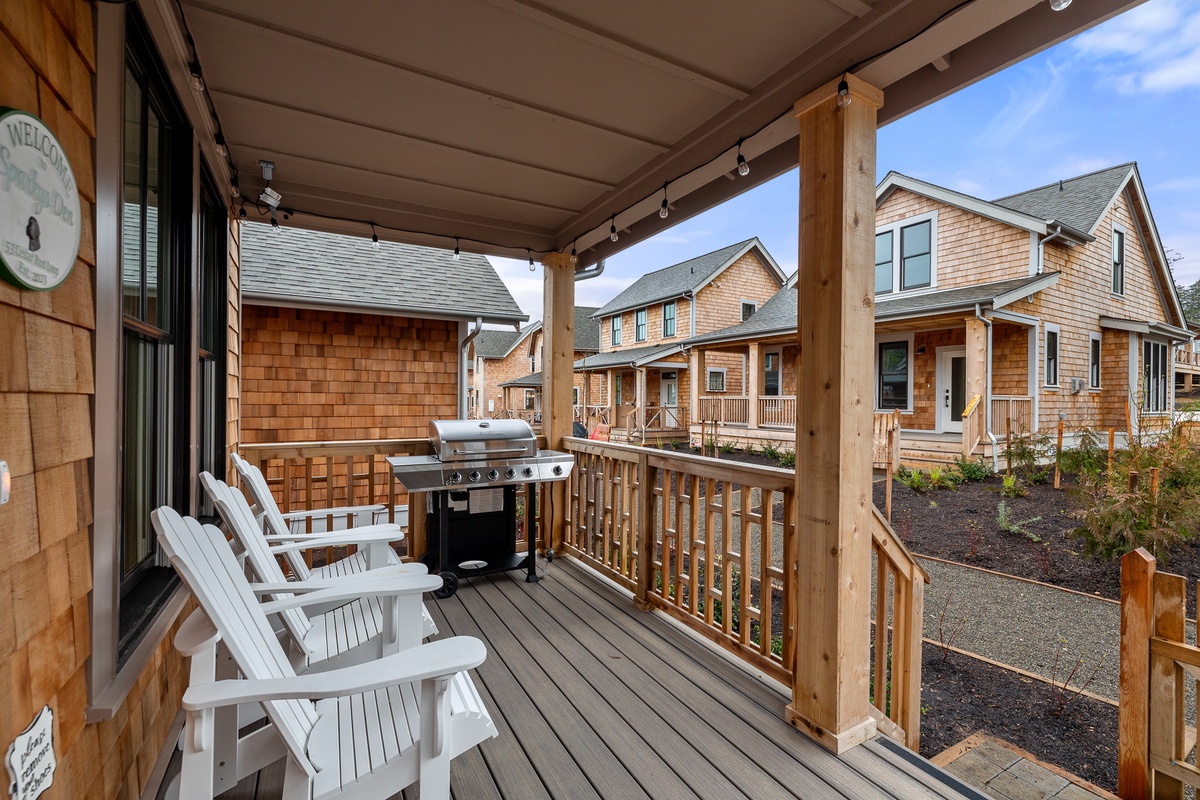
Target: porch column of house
(834,399)
(752,387)
(558,369)
(977,358)
(695,386)
(610,398)
(639,418)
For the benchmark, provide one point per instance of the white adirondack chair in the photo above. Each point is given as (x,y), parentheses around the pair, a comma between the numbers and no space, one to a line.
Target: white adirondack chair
(359,629)
(375,727)
(276,523)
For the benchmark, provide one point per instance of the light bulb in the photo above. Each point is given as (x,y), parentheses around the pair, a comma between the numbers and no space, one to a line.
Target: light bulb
(612,230)
(456,253)
(242,212)
(574,255)
(233,187)
(375,242)
(844,91)
(662,212)
(222,151)
(197,77)
(532,268)
(274,220)
(1059,5)
(743,167)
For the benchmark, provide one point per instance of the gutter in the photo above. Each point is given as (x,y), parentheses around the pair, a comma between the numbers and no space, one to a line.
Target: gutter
(463,346)
(1058,234)
(297,301)
(987,411)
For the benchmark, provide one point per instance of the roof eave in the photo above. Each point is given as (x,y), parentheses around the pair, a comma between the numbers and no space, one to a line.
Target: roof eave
(983,208)
(1033,287)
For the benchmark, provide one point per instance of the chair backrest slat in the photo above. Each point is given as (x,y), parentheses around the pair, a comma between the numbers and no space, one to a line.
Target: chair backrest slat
(239,518)
(203,559)
(276,525)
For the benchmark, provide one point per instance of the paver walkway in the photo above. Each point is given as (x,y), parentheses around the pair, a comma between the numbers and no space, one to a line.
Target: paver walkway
(1008,773)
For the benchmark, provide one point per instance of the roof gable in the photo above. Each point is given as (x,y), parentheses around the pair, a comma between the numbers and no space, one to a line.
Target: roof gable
(686,277)
(302,268)
(1078,202)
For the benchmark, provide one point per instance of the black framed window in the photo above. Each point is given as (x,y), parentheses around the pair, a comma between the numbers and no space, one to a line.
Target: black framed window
(1094,361)
(1155,369)
(883,262)
(748,310)
(916,256)
(639,325)
(616,330)
(668,321)
(212,310)
(893,375)
(1118,257)
(715,380)
(1051,357)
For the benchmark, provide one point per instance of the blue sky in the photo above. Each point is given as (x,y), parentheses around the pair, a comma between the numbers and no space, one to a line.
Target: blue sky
(1128,90)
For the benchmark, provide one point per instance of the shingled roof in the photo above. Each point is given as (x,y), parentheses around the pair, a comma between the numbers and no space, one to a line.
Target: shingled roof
(296,267)
(587,330)
(687,276)
(1077,202)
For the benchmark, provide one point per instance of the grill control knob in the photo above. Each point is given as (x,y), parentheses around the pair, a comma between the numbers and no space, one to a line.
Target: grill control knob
(493,475)
(455,477)
(527,472)
(474,477)
(557,469)
(510,473)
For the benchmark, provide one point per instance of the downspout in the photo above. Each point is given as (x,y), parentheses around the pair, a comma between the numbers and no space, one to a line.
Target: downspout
(462,367)
(987,409)
(591,272)
(1041,265)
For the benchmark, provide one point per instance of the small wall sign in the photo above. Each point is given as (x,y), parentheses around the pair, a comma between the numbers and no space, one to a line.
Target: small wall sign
(39,204)
(30,758)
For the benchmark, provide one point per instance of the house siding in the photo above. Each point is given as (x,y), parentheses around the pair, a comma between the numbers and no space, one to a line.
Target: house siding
(333,376)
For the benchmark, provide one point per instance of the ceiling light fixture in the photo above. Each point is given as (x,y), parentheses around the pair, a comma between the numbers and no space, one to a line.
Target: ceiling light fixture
(742,167)
(844,90)
(662,212)
(612,229)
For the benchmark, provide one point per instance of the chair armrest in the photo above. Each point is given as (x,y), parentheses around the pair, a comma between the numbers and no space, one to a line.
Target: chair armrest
(357,580)
(439,659)
(367,587)
(341,511)
(359,536)
(195,634)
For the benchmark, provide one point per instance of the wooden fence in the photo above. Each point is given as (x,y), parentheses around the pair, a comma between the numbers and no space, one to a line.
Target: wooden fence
(727,410)
(777,412)
(1011,413)
(1159,668)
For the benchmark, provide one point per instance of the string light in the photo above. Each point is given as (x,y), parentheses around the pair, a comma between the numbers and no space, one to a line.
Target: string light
(274,220)
(662,212)
(374,238)
(242,213)
(742,167)
(197,75)
(843,93)
(612,229)
(219,140)
(234,190)
(456,253)
(532,268)
(1059,5)
(574,255)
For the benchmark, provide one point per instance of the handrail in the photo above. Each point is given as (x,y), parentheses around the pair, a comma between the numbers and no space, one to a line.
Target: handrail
(899,589)
(972,425)
(1012,412)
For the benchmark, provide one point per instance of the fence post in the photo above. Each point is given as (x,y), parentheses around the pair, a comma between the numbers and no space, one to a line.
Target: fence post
(1133,714)
(1058,453)
(1112,446)
(1008,442)
(645,537)
(1166,684)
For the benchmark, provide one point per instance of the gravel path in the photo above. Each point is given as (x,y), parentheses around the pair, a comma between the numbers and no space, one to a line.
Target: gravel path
(1022,624)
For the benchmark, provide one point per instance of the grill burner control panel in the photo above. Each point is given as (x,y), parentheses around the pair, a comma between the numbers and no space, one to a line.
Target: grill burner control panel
(427,473)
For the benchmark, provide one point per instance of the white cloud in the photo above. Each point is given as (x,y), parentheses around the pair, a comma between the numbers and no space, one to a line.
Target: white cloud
(1188,184)
(1028,97)
(1152,48)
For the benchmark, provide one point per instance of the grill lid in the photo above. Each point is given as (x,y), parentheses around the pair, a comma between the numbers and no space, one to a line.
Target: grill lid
(465,440)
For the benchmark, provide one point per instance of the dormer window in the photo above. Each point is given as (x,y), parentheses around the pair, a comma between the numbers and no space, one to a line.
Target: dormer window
(1118,261)
(748,309)
(906,255)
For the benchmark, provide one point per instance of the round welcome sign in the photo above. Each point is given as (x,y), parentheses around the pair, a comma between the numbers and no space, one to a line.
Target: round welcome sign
(39,204)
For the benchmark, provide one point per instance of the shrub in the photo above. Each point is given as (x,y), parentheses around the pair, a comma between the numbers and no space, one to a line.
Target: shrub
(787,460)
(770,450)
(1088,457)
(1028,452)
(1012,487)
(943,478)
(972,469)
(913,479)
(1007,523)
(727,448)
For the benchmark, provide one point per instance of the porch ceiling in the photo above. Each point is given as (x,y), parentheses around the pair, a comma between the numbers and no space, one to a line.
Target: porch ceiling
(515,124)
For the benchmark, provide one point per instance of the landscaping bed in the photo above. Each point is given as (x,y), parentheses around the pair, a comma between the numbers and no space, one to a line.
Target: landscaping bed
(962,695)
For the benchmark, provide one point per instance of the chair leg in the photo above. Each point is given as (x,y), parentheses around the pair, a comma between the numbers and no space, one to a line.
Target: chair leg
(433,771)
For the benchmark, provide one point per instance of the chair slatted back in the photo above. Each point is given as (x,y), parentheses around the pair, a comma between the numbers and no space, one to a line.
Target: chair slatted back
(239,518)
(276,525)
(203,559)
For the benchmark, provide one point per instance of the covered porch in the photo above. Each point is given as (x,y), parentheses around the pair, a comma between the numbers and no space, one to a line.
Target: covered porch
(642,393)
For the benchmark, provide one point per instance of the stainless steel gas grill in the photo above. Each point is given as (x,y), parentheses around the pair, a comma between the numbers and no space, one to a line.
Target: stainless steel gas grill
(471,479)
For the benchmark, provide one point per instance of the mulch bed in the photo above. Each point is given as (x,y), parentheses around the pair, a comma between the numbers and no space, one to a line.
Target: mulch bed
(960,525)
(962,695)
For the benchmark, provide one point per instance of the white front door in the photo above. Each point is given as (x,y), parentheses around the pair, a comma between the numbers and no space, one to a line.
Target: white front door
(668,398)
(951,388)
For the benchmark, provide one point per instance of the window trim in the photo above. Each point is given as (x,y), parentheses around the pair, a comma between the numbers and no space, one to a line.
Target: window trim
(1166,377)
(895,228)
(618,399)
(753,306)
(1096,366)
(1049,328)
(641,324)
(1123,263)
(674,312)
(767,353)
(614,327)
(882,339)
(708,373)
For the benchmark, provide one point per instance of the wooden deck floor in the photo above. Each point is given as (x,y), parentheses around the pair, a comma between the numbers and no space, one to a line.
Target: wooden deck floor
(594,699)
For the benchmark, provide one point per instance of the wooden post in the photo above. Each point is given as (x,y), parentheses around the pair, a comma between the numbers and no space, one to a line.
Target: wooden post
(1166,683)
(752,387)
(558,376)
(977,357)
(1008,444)
(1133,481)
(835,391)
(1112,447)
(1058,453)
(695,381)
(644,532)
(1133,712)
(417,540)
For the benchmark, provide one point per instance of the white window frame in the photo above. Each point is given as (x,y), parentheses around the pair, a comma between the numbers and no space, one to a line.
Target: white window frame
(753,306)
(641,324)
(882,339)
(674,312)
(614,327)
(709,372)
(530,400)
(1124,239)
(895,229)
(1095,365)
(1048,329)
(1166,378)
(574,395)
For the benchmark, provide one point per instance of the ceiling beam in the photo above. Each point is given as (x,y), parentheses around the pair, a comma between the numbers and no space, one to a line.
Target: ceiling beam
(264,29)
(584,32)
(856,7)
(238,97)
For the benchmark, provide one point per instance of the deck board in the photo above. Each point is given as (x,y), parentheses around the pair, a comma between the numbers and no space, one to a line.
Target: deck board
(593,698)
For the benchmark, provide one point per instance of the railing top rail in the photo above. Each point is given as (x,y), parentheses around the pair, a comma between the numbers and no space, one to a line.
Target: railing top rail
(773,478)
(883,533)
(338,448)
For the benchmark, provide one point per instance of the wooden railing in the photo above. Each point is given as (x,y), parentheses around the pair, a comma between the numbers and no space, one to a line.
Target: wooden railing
(777,412)
(710,542)
(666,418)
(899,599)
(1156,754)
(885,451)
(727,410)
(1011,412)
(972,425)
(1187,358)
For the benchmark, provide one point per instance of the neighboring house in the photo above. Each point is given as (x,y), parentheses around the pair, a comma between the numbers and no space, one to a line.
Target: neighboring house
(1187,362)
(523,395)
(497,357)
(344,341)
(646,376)
(1052,303)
